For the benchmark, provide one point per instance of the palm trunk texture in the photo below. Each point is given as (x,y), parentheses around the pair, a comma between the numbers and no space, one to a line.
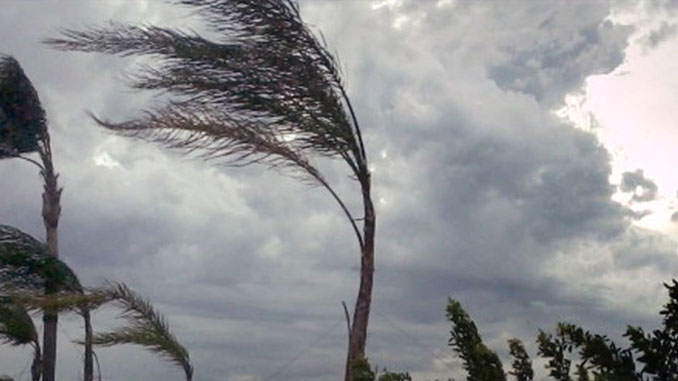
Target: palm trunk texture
(89,363)
(361,313)
(51,210)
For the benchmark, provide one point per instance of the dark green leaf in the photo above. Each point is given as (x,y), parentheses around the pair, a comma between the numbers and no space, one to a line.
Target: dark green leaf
(22,119)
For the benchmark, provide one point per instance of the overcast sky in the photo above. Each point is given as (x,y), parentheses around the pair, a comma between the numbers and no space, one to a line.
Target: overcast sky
(524,164)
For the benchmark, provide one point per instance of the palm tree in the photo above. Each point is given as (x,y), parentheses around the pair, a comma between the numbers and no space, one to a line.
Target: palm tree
(145,327)
(23,129)
(26,268)
(268,91)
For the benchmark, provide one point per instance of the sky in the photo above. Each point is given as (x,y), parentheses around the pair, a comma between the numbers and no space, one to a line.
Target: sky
(522,156)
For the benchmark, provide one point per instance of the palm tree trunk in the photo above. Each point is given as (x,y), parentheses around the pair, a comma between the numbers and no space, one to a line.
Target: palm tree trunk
(361,313)
(51,210)
(89,363)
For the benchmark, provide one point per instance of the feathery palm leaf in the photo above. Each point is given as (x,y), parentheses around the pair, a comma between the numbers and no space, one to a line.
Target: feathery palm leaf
(22,119)
(25,263)
(47,282)
(146,328)
(17,328)
(16,325)
(268,77)
(60,301)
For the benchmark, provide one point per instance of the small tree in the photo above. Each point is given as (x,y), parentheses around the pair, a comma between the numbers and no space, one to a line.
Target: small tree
(596,357)
(522,365)
(599,355)
(480,363)
(658,350)
(555,348)
(268,91)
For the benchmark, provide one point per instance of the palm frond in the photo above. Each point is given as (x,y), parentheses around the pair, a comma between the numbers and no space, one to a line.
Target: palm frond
(60,301)
(22,118)
(146,327)
(17,328)
(16,325)
(25,263)
(266,92)
(268,75)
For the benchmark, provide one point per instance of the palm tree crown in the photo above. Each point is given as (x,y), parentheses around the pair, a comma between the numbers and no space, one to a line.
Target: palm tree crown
(22,119)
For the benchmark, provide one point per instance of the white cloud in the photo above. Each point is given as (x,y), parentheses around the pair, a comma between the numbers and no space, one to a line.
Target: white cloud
(105,160)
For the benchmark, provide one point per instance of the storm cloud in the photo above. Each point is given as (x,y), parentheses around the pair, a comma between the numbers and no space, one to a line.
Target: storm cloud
(484,194)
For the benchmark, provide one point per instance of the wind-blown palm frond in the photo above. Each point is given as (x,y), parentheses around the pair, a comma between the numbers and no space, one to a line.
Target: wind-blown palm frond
(47,282)
(25,263)
(17,328)
(22,119)
(146,328)
(61,301)
(16,325)
(269,75)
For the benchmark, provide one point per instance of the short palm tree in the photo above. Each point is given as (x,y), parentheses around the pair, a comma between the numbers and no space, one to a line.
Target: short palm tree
(28,270)
(267,91)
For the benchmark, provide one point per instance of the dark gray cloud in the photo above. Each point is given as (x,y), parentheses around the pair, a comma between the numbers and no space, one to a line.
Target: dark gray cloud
(641,188)
(570,45)
(483,195)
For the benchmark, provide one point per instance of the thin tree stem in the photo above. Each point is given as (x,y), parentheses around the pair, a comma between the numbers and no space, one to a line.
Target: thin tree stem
(338,199)
(355,125)
(34,162)
(36,366)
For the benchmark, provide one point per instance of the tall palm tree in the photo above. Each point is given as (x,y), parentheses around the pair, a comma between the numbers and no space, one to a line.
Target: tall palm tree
(268,91)
(23,129)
